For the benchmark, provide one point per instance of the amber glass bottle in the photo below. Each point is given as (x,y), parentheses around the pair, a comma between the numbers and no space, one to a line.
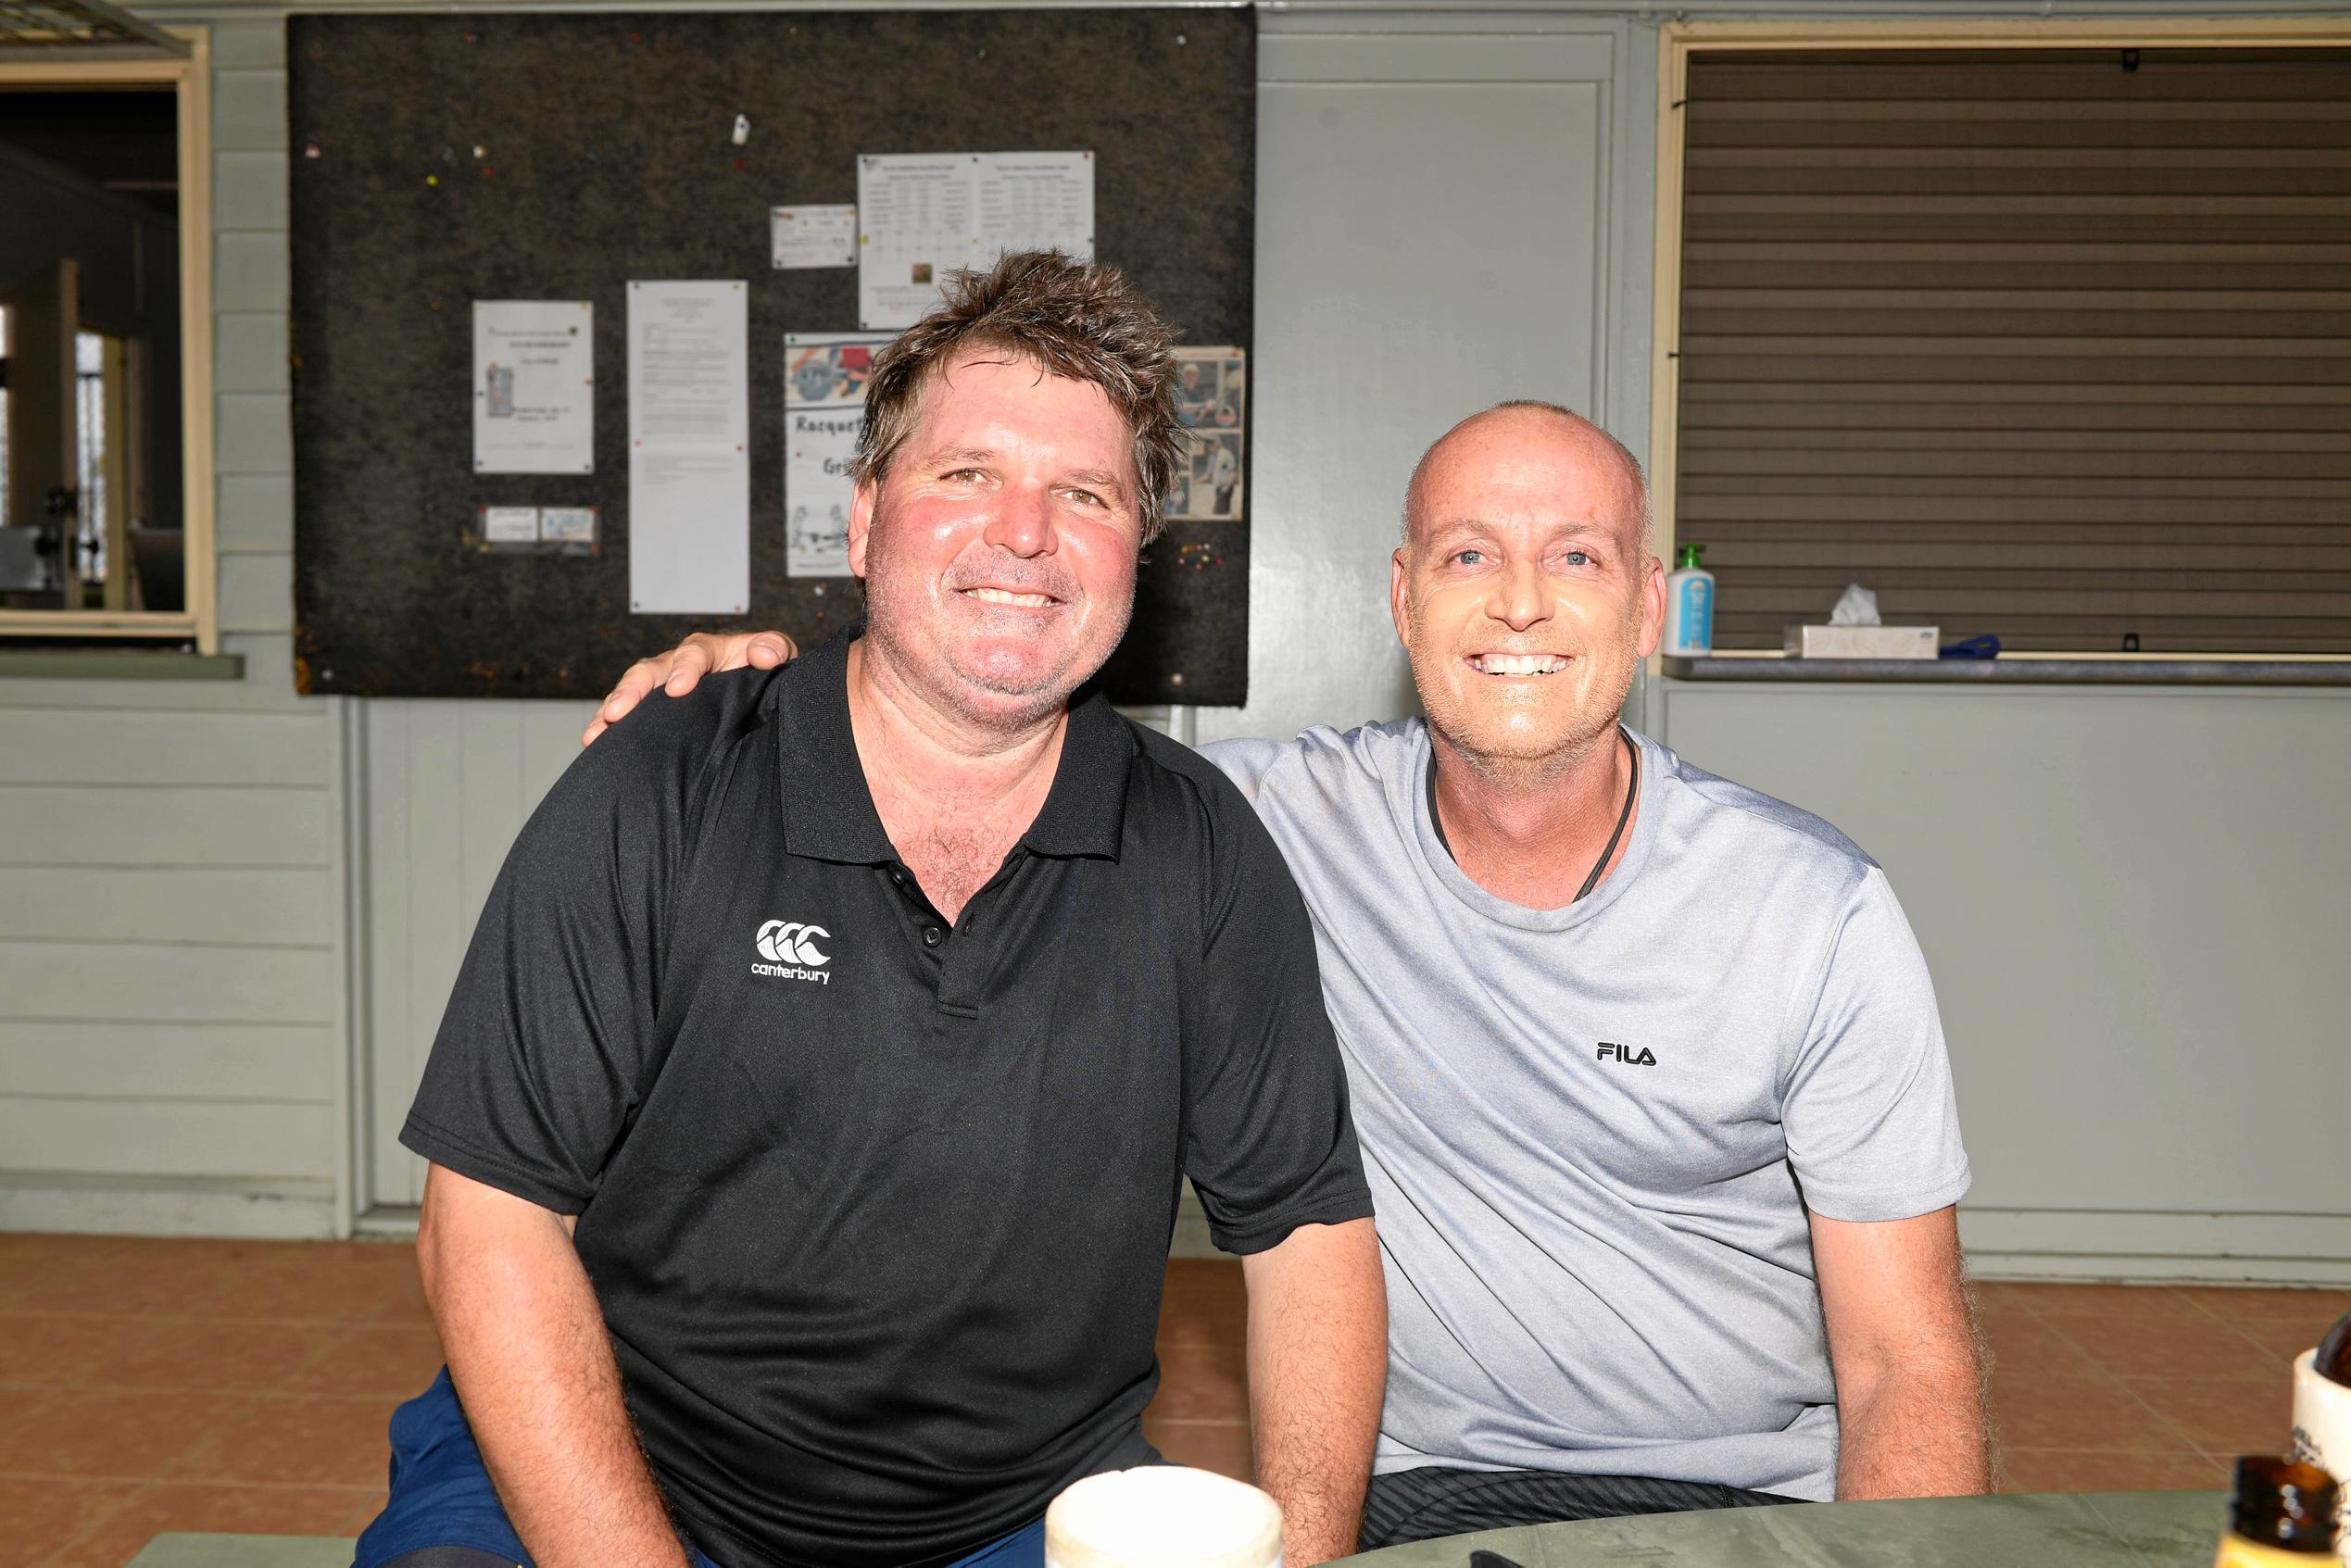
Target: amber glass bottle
(2281,1516)
(2323,1411)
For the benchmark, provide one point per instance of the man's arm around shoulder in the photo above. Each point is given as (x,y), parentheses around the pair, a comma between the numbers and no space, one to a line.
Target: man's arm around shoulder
(534,1369)
(1318,1366)
(1908,1360)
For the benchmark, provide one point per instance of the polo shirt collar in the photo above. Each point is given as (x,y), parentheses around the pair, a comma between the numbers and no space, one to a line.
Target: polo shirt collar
(1085,812)
(829,812)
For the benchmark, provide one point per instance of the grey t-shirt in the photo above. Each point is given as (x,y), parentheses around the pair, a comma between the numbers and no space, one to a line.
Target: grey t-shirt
(1592,1132)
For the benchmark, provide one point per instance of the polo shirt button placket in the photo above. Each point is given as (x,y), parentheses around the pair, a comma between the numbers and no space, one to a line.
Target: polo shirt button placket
(933,936)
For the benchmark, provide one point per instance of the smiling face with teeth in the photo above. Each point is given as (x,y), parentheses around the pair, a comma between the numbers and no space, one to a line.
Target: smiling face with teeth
(998,549)
(1525,591)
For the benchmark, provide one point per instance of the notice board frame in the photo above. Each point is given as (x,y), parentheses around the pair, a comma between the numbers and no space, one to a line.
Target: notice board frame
(438,159)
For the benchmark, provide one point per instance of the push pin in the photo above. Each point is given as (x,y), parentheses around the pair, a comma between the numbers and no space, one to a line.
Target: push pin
(742,128)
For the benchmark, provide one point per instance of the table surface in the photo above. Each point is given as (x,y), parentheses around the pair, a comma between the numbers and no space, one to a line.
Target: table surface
(2061,1530)
(2057,1530)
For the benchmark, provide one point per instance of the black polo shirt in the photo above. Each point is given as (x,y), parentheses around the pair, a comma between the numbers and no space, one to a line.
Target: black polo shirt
(877,1207)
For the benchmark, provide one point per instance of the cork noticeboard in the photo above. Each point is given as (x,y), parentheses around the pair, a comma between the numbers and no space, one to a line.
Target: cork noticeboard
(606,154)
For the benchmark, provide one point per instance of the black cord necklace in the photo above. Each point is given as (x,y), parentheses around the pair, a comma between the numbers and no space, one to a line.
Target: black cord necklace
(1633,792)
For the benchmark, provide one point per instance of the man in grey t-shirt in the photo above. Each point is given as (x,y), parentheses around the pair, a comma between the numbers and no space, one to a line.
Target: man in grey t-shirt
(1645,1065)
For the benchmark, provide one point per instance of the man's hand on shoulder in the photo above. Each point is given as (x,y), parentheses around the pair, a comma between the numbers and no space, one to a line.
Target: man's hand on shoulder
(676,673)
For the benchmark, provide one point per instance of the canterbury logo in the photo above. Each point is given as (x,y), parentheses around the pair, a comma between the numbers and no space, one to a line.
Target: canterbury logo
(781,943)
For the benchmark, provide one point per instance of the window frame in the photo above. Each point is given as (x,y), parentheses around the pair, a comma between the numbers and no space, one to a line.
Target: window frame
(1677,41)
(191,82)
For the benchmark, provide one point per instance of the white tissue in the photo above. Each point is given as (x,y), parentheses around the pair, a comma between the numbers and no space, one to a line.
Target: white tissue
(1855,606)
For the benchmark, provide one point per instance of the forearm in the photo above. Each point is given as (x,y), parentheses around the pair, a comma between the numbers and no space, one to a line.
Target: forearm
(534,1369)
(1915,1431)
(1908,1355)
(1318,1365)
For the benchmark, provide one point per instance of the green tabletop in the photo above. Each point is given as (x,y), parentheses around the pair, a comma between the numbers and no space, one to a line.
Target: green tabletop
(2059,1530)
(246,1551)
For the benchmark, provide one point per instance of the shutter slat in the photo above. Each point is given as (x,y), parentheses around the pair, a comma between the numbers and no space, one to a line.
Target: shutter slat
(2030,344)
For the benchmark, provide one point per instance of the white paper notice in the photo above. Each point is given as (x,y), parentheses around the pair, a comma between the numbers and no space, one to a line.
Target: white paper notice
(825,377)
(567,525)
(924,215)
(689,469)
(534,386)
(509,525)
(812,236)
(1035,201)
(916,219)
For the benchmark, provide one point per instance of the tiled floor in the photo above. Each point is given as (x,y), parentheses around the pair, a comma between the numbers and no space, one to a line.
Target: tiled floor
(151,1385)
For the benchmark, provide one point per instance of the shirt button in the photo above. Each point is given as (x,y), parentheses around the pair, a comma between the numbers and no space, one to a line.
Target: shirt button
(933,936)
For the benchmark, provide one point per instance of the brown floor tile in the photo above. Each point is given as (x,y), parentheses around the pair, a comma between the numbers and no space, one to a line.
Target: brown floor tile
(31,1266)
(225,1356)
(296,1441)
(2236,1302)
(2096,1414)
(2025,1346)
(2282,1338)
(332,1282)
(362,1516)
(234,1511)
(2223,1416)
(39,1516)
(2146,1302)
(2133,1345)
(2003,1293)
(133,1278)
(375,1361)
(1202,1382)
(1220,1446)
(23,1407)
(2048,1470)
(51,1350)
(1205,1302)
(107,1433)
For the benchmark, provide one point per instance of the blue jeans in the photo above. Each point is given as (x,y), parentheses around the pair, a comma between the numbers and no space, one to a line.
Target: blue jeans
(442,1495)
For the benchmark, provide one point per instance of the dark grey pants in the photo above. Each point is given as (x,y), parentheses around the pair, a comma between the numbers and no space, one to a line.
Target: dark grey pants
(1419,1505)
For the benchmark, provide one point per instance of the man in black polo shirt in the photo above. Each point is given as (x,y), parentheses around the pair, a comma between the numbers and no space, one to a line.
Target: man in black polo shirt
(806,1122)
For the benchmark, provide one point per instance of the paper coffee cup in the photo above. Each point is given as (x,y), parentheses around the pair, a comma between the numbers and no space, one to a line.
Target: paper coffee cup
(1163,1516)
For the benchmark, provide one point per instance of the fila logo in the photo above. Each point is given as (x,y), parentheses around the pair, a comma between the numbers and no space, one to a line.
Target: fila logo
(788,945)
(1624,1054)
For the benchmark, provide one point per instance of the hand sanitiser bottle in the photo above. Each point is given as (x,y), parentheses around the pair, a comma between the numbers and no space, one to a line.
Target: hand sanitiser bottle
(1689,606)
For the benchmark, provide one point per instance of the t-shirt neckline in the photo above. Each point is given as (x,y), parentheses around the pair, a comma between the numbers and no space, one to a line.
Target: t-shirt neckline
(1441,865)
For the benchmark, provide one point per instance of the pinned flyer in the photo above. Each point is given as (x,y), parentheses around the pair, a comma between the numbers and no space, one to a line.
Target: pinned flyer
(1211,399)
(806,237)
(567,525)
(509,525)
(824,376)
(534,386)
(689,467)
(924,216)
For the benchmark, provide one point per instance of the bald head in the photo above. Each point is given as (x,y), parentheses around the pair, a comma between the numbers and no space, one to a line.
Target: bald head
(1521,428)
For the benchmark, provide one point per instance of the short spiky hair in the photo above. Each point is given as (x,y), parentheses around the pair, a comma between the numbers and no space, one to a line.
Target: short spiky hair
(1076,319)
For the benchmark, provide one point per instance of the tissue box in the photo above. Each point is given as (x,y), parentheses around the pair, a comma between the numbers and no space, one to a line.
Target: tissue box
(1862,641)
